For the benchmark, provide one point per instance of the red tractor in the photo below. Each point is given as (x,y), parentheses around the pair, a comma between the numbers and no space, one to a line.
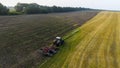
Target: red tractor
(51,50)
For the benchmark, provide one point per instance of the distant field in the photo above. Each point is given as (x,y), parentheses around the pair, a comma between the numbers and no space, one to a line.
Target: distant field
(12,9)
(96,44)
(21,36)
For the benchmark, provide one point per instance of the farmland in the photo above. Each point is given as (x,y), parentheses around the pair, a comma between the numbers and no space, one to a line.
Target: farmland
(21,36)
(96,44)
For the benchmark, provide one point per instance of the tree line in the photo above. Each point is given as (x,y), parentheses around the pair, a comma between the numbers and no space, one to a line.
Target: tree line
(33,8)
(3,10)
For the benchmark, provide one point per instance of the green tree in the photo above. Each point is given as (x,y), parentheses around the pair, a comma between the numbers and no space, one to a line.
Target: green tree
(20,7)
(3,10)
(32,9)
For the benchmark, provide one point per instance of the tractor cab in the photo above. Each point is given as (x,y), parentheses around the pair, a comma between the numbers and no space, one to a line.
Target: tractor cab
(58,41)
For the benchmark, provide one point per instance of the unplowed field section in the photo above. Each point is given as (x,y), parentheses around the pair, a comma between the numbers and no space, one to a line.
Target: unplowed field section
(96,44)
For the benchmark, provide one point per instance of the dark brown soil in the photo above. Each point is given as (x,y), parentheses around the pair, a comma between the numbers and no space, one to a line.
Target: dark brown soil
(21,36)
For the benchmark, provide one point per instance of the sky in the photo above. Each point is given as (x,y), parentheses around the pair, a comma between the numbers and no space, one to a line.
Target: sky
(96,4)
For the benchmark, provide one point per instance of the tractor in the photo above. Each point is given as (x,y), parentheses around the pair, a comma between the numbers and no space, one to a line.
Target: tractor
(51,50)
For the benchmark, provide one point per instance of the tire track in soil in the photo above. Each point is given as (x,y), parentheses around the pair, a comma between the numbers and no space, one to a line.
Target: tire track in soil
(101,52)
(90,35)
(108,35)
(91,25)
(74,55)
(113,45)
(109,55)
(92,54)
(118,41)
(91,45)
(84,34)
